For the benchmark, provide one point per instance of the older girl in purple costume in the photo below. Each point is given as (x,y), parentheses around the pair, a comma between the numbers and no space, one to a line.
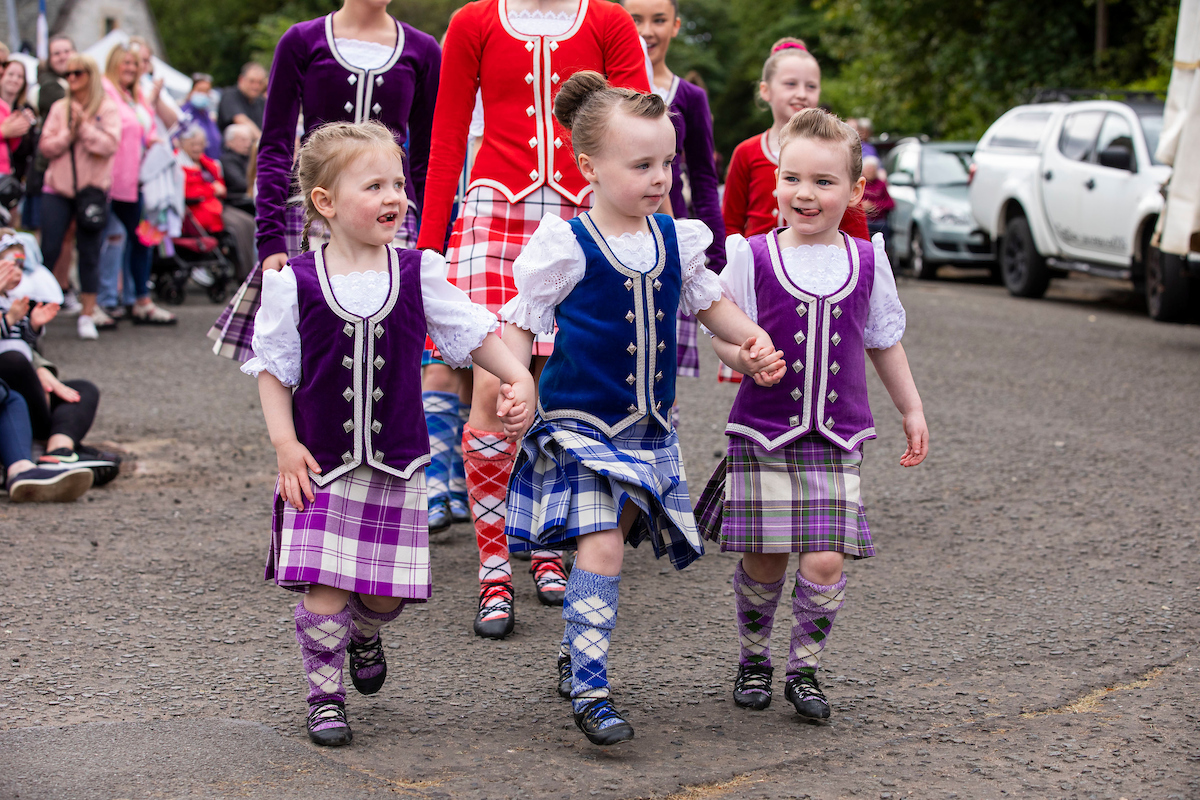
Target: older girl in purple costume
(791,480)
(338,342)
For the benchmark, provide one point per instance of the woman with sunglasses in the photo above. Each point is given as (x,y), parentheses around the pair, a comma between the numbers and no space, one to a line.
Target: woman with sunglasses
(85,124)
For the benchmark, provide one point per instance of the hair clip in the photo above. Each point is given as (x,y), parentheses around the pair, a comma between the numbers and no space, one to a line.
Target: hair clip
(788,46)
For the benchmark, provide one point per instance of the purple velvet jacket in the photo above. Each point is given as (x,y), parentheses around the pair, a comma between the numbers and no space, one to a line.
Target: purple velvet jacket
(694,149)
(309,76)
(825,387)
(359,396)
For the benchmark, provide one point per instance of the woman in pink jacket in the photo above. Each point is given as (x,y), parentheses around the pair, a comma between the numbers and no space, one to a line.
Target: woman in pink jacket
(85,123)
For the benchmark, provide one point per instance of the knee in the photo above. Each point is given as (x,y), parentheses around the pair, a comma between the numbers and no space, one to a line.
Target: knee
(89,393)
(382,605)
(822,568)
(439,378)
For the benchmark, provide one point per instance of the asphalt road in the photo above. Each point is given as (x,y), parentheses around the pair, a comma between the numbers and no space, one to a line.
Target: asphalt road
(1028,628)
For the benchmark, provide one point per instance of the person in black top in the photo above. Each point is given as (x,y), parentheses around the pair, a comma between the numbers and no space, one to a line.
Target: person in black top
(245,102)
(235,163)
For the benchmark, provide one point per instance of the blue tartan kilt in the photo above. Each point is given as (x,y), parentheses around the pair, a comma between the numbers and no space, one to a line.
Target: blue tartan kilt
(571,480)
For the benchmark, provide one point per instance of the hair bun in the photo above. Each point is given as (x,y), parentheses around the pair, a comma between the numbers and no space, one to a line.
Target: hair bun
(575,93)
(788,43)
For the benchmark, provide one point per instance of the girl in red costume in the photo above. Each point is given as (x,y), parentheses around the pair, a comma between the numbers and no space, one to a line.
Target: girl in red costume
(516,53)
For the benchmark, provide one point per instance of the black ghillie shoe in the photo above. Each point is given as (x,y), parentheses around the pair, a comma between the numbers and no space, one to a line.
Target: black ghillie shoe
(752,687)
(496,619)
(335,735)
(550,579)
(805,694)
(362,658)
(601,712)
(564,676)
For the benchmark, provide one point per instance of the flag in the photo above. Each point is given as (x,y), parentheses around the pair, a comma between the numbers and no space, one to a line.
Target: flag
(43,33)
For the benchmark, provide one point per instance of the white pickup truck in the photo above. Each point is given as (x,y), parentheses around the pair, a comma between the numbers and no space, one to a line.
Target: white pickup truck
(1071,186)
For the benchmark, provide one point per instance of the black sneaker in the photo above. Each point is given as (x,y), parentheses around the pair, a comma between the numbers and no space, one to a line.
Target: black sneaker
(565,678)
(601,723)
(495,618)
(805,694)
(104,467)
(49,484)
(338,733)
(752,687)
(363,657)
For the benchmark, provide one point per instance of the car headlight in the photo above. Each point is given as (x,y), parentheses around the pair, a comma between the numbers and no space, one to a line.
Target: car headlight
(950,215)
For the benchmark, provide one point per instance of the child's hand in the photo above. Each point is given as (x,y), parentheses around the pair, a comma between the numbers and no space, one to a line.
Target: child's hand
(759,359)
(515,406)
(294,463)
(17,310)
(42,314)
(917,434)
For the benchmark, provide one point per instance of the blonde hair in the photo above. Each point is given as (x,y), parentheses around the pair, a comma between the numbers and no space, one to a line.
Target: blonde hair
(112,69)
(82,61)
(787,46)
(329,151)
(586,103)
(819,124)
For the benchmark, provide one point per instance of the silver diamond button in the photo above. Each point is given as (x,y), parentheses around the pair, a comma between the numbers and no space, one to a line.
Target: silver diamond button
(629,317)
(378,362)
(658,376)
(379,80)
(630,379)
(829,422)
(835,368)
(348,394)
(379,455)
(662,346)
(378,331)
(378,393)
(348,425)
(799,337)
(347,457)
(629,283)
(632,408)
(377,108)
(837,312)
(794,421)
(348,329)
(347,362)
(353,79)
(797,365)
(631,349)
(833,395)
(802,309)
(657,284)
(836,339)
(797,394)
(349,107)
(659,315)
(376,426)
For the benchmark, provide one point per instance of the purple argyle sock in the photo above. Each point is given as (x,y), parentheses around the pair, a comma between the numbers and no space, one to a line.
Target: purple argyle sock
(323,639)
(365,626)
(756,606)
(815,608)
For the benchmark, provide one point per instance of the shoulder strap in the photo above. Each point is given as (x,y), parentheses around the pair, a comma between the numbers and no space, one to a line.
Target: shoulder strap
(71,148)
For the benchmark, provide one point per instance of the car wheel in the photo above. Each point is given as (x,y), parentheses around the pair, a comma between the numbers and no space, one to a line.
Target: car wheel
(1168,288)
(1021,265)
(921,268)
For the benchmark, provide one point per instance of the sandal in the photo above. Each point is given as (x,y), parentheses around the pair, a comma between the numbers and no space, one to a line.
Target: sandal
(150,314)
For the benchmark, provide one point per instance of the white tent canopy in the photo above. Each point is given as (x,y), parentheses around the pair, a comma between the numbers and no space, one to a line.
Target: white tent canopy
(1180,142)
(174,81)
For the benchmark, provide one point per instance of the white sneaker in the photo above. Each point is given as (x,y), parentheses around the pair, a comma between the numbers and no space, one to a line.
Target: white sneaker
(70,304)
(86,327)
(202,277)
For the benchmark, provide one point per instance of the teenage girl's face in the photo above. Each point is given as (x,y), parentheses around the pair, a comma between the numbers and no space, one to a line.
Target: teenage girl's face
(368,201)
(657,23)
(632,173)
(13,79)
(814,186)
(795,86)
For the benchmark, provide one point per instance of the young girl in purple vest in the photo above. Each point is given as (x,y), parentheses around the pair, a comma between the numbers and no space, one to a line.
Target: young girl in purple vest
(790,482)
(601,464)
(337,351)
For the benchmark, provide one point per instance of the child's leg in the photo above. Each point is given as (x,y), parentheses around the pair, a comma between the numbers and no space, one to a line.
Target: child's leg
(757,586)
(819,594)
(323,631)
(440,400)
(459,507)
(368,665)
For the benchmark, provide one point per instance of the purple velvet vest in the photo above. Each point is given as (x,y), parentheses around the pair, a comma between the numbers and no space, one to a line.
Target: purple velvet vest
(825,387)
(359,396)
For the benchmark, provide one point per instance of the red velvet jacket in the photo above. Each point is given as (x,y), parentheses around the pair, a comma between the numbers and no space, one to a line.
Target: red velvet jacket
(523,146)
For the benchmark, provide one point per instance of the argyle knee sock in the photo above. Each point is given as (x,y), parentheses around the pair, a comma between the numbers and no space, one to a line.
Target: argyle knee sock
(441,417)
(366,621)
(489,461)
(815,608)
(756,606)
(323,639)
(590,611)
(458,475)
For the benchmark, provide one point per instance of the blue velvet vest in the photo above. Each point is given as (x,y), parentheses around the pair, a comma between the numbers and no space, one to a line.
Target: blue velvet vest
(614,354)
(359,397)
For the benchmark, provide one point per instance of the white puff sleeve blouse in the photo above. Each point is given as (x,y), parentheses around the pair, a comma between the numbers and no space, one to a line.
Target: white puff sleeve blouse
(820,270)
(553,263)
(456,325)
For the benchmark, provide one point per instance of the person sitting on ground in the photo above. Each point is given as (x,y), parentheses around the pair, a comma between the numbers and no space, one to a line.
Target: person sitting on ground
(245,103)
(235,164)
(27,482)
(198,112)
(60,413)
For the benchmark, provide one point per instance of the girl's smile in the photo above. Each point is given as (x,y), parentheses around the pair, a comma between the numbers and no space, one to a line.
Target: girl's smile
(657,23)
(369,202)
(814,189)
(795,86)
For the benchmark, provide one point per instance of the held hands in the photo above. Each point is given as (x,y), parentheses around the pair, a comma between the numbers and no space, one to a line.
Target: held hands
(761,361)
(294,463)
(917,434)
(514,406)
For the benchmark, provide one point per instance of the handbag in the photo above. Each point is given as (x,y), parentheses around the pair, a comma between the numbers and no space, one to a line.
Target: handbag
(91,202)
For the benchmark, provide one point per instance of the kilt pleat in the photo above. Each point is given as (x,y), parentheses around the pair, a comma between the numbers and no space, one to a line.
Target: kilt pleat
(802,497)
(571,480)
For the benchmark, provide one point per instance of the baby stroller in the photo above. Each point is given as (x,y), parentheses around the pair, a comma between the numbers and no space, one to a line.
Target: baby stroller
(207,256)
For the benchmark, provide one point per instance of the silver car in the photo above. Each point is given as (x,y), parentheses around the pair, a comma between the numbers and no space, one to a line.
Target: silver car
(932,222)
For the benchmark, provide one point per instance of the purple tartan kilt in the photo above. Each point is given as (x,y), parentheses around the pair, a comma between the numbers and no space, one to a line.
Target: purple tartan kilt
(234,328)
(365,532)
(687,349)
(803,497)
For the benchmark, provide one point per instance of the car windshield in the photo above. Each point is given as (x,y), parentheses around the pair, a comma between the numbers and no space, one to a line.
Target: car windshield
(1152,127)
(944,167)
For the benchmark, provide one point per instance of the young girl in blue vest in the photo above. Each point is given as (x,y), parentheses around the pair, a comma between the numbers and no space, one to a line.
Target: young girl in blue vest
(601,464)
(337,350)
(790,483)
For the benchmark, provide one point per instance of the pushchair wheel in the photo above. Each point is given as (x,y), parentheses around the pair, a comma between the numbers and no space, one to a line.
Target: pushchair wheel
(218,292)
(168,291)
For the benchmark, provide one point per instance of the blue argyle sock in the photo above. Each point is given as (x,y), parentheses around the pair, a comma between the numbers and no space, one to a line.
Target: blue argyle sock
(458,472)
(590,611)
(441,417)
